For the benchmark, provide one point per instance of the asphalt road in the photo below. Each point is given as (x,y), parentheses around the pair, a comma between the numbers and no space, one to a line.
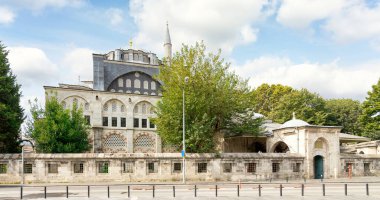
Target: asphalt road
(270,191)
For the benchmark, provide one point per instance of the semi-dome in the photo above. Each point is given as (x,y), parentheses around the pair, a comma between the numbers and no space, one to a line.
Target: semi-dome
(294,123)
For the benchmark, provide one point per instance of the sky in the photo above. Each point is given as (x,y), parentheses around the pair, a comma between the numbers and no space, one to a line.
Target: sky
(328,47)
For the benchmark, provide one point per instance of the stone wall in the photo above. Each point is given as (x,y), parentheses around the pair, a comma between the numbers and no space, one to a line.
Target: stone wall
(150,167)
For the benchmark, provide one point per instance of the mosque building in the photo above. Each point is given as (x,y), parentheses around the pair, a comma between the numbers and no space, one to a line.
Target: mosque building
(118,105)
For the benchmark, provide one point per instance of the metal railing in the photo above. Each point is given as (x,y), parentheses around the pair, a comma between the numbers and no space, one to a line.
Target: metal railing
(196,190)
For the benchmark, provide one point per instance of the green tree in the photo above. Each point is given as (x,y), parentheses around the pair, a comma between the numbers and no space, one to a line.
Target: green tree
(345,113)
(213,96)
(58,130)
(11,113)
(267,97)
(368,118)
(308,106)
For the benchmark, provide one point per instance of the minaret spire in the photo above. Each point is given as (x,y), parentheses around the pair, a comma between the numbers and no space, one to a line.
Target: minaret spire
(168,44)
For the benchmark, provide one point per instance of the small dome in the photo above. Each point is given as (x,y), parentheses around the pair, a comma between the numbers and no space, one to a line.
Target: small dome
(294,123)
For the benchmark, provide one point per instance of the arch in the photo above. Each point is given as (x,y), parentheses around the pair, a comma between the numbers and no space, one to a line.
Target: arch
(135,81)
(144,142)
(280,147)
(318,167)
(144,108)
(79,101)
(114,142)
(320,143)
(114,105)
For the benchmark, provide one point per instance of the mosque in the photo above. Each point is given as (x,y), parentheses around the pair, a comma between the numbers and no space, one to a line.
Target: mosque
(118,105)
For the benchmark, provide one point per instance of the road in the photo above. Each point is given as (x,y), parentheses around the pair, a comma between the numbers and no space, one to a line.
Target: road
(270,191)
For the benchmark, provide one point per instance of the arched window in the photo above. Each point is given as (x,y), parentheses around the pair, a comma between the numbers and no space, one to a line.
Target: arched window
(136,109)
(128,83)
(120,82)
(86,106)
(122,108)
(146,85)
(113,106)
(105,107)
(318,144)
(144,141)
(153,85)
(75,102)
(114,141)
(137,83)
(143,110)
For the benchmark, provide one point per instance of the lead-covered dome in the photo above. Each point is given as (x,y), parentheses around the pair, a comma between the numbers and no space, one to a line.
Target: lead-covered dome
(294,123)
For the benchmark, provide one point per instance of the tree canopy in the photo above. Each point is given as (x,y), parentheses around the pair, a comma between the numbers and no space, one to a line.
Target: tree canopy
(11,113)
(369,118)
(58,130)
(345,113)
(213,96)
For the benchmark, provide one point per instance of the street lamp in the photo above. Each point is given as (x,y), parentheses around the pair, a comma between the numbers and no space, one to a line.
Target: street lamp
(22,158)
(183,133)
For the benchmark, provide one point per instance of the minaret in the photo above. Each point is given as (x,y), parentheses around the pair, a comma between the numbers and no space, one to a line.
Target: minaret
(168,44)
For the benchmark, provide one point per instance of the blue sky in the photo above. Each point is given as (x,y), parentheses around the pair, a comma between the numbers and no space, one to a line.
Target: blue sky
(329,47)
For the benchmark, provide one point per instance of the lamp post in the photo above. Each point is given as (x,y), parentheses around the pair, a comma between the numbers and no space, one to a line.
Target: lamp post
(22,158)
(183,133)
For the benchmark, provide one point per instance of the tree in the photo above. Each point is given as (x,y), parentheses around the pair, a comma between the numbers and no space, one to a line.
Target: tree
(308,106)
(345,113)
(213,95)
(368,118)
(11,113)
(267,97)
(59,130)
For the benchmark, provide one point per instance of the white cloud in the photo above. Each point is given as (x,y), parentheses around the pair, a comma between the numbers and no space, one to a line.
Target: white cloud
(32,66)
(38,5)
(300,13)
(220,24)
(115,16)
(77,62)
(357,21)
(7,16)
(331,80)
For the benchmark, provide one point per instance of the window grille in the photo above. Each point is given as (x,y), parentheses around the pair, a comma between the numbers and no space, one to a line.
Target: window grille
(202,167)
(177,167)
(52,168)
(296,167)
(227,167)
(114,121)
(114,141)
(251,167)
(144,123)
(144,141)
(122,122)
(136,122)
(105,107)
(105,121)
(103,167)
(275,167)
(122,108)
(78,168)
(3,168)
(28,168)
(152,167)
(128,167)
